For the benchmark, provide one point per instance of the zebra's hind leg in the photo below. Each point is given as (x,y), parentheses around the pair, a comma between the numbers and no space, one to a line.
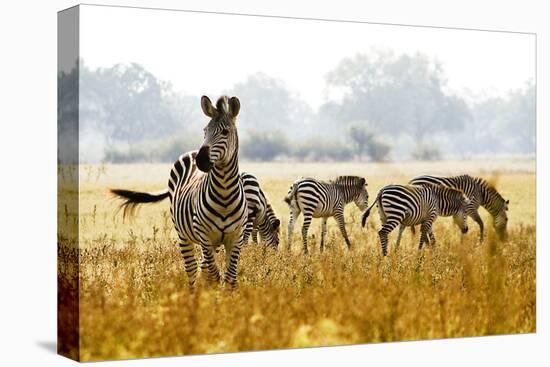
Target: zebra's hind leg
(209,263)
(189,262)
(305,228)
(399,234)
(323,232)
(294,213)
(339,216)
(384,232)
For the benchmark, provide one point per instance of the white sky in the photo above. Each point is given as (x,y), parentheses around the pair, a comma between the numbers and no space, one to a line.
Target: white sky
(208,53)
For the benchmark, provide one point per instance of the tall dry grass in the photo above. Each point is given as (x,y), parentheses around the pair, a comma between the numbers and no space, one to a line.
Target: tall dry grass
(134,299)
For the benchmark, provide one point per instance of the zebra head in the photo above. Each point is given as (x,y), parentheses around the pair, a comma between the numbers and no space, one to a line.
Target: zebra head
(221,142)
(501,220)
(362,198)
(464,207)
(269,229)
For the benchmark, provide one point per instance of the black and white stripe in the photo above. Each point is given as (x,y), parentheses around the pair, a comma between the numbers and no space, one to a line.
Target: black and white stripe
(412,205)
(318,199)
(207,199)
(480,193)
(261,216)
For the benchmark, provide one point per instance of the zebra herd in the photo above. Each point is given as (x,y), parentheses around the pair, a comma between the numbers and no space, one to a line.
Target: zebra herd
(213,204)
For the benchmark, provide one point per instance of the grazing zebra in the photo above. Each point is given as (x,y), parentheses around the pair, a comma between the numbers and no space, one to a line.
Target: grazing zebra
(208,206)
(480,193)
(261,216)
(412,205)
(318,199)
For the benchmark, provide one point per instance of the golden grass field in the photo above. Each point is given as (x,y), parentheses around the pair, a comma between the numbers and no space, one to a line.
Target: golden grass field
(135,302)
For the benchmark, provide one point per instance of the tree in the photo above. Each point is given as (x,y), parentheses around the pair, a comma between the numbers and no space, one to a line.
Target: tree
(267,104)
(364,141)
(397,94)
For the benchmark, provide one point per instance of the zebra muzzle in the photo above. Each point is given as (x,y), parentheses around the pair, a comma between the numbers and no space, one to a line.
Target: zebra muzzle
(203,159)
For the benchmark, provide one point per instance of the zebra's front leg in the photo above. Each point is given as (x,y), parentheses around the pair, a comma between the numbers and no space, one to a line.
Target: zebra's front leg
(189,262)
(231,261)
(339,216)
(305,228)
(432,237)
(254,234)
(323,232)
(425,228)
(475,216)
(209,263)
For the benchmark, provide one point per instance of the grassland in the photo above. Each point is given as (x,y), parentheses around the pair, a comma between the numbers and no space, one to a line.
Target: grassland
(134,299)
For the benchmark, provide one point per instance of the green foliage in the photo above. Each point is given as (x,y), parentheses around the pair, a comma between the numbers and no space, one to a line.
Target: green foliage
(427,152)
(364,141)
(397,94)
(264,145)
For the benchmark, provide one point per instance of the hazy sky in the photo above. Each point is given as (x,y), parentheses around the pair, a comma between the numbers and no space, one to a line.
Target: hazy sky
(209,53)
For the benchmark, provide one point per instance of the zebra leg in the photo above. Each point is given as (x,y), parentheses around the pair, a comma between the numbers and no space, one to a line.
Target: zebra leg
(209,264)
(475,216)
(255,234)
(189,261)
(432,237)
(401,229)
(231,260)
(339,216)
(294,213)
(425,228)
(305,228)
(383,234)
(323,233)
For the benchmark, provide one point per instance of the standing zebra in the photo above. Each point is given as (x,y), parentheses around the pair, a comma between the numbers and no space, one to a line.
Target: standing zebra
(318,199)
(480,193)
(208,205)
(411,205)
(261,216)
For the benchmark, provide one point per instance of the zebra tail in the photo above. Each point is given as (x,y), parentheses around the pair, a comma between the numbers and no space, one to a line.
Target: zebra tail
(132,199)
(367,212)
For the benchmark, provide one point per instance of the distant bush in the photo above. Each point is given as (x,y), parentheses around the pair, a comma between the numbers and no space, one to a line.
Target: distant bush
(322,149)
(264,145)
(425,152)
(365,141)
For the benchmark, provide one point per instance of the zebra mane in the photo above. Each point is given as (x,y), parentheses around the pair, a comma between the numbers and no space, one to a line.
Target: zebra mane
(491,191)
(349,181)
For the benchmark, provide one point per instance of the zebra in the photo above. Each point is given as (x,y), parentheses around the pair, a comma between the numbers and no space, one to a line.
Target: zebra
(409,205)
(319,199)
(261,216)
(480,193)
(207,199)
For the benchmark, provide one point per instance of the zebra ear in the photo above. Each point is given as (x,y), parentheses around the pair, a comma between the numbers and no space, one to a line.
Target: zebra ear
(234,106)
(207,107)
(363,182)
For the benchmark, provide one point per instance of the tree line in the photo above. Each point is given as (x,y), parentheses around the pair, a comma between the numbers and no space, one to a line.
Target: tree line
(380,106)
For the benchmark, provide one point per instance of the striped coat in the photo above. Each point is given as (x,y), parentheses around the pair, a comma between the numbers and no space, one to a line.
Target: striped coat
(480,193)
(409,205)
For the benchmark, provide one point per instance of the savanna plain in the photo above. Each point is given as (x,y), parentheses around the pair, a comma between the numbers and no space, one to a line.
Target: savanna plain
(135,301)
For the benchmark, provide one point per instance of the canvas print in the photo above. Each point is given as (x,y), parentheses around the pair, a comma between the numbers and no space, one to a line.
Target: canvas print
(232,183)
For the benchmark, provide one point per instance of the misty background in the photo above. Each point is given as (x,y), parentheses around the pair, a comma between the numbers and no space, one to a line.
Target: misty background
(325,92)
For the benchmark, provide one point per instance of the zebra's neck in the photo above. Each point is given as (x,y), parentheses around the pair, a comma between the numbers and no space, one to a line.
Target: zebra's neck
(348,193)
(226,178)
(491,199)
